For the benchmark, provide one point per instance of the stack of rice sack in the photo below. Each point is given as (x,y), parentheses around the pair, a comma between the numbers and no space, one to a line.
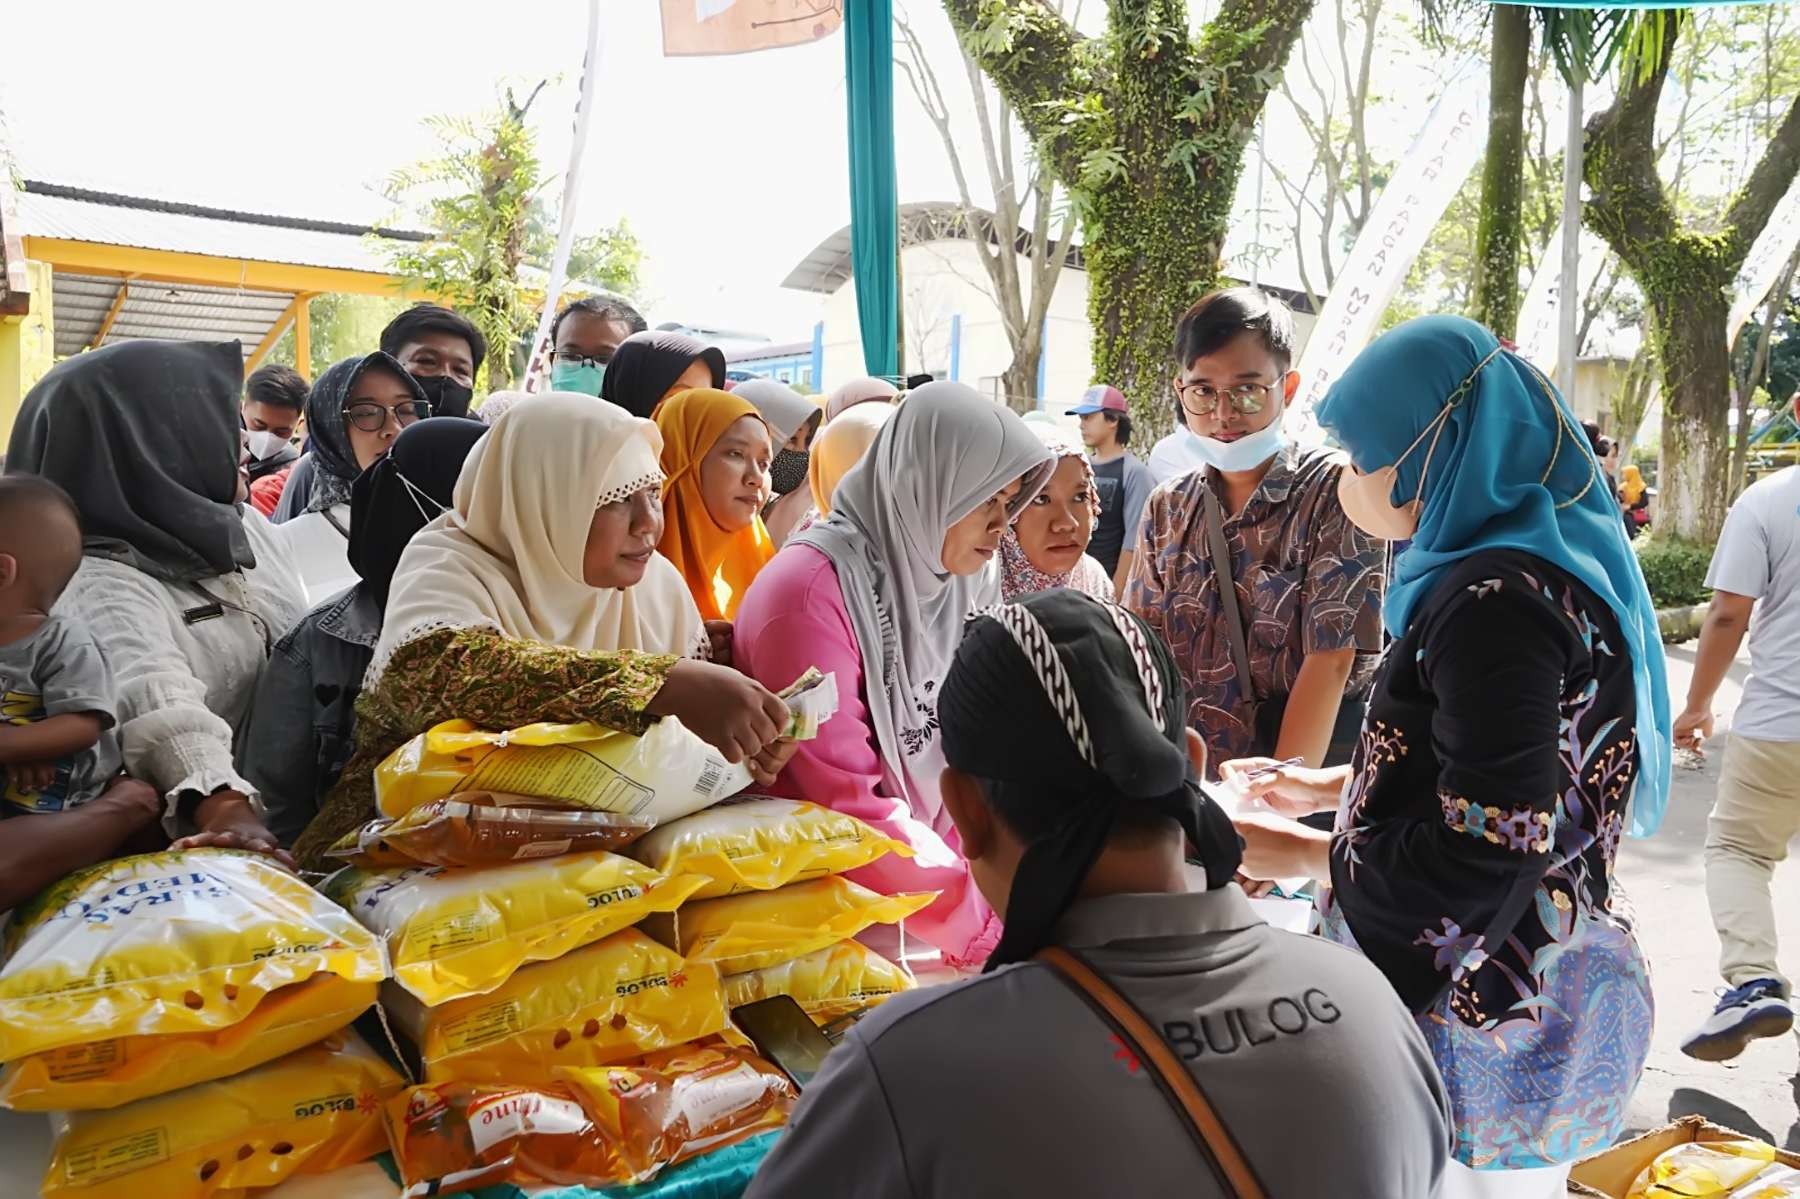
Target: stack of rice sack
(186,1013)
(773,911)
(557,1042)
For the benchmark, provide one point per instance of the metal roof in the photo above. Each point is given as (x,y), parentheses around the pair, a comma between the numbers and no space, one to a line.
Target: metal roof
(159,311)
(80,214)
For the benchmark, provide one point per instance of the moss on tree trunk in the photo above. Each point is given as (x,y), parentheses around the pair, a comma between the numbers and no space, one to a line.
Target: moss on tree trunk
(1500,230)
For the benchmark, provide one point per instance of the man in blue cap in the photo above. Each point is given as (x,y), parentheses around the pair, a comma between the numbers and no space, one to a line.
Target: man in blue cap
(1124,483)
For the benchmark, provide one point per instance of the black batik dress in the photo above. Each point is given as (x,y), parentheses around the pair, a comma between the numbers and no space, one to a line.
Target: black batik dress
(1473,856)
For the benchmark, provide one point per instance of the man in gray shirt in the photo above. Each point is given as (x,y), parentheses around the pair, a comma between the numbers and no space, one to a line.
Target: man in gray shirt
(1074,811)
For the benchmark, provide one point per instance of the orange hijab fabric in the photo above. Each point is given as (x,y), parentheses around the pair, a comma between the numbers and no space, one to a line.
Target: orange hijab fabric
(718,565)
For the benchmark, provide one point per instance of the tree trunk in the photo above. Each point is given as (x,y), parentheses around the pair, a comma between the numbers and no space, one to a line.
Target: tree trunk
(1500,231)
(1696,459)
(1020,382)
(1633,399)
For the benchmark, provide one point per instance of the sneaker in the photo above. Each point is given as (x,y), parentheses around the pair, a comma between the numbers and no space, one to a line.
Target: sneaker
(1759,1008)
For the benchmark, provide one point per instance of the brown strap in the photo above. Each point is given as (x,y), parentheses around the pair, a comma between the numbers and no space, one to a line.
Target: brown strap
(1178,1084)
(1219,551)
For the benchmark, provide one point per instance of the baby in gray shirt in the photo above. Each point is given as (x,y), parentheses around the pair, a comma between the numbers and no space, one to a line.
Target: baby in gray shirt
(59,747)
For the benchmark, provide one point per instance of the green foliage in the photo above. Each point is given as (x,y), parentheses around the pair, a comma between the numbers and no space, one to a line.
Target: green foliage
(1675,570)
(342,326)
(482,196)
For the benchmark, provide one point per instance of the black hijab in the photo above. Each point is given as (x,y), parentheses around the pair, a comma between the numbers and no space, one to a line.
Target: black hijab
(385,512)
(145,436)
(647,364)
(327,428)
(1093,727)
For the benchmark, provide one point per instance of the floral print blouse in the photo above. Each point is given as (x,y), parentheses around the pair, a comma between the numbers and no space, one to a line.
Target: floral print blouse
(1308,581)
(1473,856)
(494,681)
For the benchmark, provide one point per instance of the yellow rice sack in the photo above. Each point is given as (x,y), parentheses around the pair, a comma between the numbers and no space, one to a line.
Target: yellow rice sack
(102,1074)
(183,941)
(756,844)
(827,984)
(453,933)
(610,1002)
(749,932)
(306,1113)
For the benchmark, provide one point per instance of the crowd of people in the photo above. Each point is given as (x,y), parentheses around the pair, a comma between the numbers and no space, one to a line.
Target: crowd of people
(1425,662)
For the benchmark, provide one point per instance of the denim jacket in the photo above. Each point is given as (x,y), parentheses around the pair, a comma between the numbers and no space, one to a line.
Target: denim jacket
(303,720)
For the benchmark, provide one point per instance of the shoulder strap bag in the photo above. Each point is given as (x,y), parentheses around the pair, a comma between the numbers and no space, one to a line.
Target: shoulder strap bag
(1173,1079)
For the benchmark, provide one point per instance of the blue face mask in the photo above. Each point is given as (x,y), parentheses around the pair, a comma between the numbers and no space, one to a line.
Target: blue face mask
(581,377)
(1246,453)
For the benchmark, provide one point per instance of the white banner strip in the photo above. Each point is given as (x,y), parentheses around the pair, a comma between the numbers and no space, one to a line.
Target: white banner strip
(1543,298)
(1410,206)
(1762,267)
(536,369)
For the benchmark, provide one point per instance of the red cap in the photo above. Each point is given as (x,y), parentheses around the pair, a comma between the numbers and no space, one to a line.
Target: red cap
(1100,398)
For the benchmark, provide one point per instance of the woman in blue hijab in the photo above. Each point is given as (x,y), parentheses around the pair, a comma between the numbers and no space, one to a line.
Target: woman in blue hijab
(1519,723)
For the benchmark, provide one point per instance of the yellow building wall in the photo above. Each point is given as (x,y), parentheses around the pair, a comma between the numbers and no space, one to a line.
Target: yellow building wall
(27,348)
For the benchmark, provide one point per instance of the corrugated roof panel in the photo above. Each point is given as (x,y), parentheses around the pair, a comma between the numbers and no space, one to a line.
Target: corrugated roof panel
(161,312)
(84,220)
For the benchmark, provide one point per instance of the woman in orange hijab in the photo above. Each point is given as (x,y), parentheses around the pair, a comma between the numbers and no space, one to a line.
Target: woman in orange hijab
(716,454)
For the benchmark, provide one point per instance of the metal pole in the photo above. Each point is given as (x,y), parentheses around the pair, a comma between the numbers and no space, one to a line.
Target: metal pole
(1568,309)
(1262,160)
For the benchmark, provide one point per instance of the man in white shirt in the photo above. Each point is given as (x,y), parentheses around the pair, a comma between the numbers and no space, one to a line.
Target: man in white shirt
(1757,810)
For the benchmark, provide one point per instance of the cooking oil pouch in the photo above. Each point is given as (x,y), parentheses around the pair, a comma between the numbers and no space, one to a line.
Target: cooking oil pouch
(454,933)
(306,1113)
(481,828)
(681,1103)
(102,1074)
(453,1137)
(610,1002)
(765,928)
(661,776)
(758,844)
(184,941)
(1737,1169)
(826,984)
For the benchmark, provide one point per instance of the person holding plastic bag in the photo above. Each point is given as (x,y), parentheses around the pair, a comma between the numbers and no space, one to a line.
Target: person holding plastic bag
(1519,722)
(878,594)
(540,597)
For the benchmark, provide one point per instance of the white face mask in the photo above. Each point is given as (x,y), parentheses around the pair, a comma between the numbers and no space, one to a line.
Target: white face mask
(264,443)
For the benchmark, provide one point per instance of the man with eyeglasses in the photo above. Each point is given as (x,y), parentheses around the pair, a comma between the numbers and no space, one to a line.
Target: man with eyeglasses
(1267,662)
(584,337)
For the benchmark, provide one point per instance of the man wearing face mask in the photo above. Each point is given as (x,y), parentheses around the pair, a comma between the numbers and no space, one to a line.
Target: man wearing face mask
(583,338)
(441,350)
(274,397)
(1247,566)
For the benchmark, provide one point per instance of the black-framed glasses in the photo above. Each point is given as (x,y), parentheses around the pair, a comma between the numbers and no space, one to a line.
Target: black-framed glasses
(1203,400)
(371,417)
(576,358)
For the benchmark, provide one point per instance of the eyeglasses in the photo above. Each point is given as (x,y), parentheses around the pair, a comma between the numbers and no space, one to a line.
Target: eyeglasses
(371,417)
(1203,400)
(576,358)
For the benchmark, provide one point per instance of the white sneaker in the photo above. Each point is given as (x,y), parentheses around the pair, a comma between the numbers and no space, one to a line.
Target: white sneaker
(1759,1008)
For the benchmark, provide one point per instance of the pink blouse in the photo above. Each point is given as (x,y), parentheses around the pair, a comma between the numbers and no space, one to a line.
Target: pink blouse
(793,617)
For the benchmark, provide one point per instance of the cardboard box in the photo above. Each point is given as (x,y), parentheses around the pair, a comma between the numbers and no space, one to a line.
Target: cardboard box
(1610,1173)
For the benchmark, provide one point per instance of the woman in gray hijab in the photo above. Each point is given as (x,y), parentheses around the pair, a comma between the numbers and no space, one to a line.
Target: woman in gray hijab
(878,593)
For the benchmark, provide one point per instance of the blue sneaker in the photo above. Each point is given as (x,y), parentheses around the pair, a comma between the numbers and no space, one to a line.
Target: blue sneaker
(1759,1008)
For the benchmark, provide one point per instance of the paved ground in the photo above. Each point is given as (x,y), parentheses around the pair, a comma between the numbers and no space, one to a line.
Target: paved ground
(1759,1093)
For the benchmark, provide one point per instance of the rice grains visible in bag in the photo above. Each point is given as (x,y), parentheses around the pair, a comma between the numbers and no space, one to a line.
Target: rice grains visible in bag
(763,928)
(184,941)
(610,1002)
(681,1103)
(480,828)
(826,984)
(101,1074)
(758,844)
(306,1113)
(453,1137)
(453,933)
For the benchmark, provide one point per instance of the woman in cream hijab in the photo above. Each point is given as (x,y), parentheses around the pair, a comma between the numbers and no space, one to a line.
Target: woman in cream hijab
(540,596)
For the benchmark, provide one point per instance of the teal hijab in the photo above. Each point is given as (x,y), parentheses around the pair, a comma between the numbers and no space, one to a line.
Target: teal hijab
(1512,470)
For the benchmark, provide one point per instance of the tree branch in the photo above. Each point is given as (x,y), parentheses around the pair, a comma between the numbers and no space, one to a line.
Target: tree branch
(1774,174)
(1036,70)
(1629,206)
